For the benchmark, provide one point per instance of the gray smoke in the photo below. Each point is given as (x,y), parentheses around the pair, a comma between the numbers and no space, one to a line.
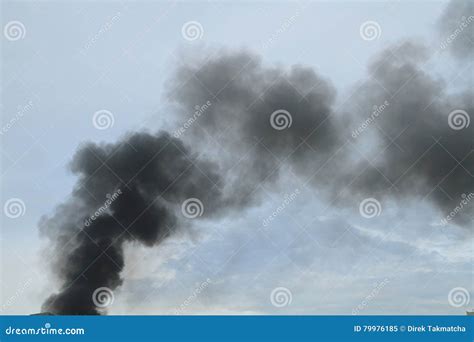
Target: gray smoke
(150,176)
(456,29)
(423,156)
(239,124)
(250,123)
(426,153)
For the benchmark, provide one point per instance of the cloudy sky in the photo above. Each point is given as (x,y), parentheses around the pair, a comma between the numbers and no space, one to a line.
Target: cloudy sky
(319,254)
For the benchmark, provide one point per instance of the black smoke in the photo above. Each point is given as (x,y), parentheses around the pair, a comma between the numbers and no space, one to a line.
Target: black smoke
(144,178)
(154,174)
(252,145)
(236,144)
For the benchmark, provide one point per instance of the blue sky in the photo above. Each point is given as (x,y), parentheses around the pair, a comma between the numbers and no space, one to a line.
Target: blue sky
(81,57)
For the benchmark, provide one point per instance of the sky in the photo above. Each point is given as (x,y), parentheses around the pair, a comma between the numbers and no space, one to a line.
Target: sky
(82,57)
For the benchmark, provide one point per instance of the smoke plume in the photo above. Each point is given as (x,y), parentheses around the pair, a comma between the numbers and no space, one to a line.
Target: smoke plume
(139,181)
(261,118)
(258,123)
(423,142)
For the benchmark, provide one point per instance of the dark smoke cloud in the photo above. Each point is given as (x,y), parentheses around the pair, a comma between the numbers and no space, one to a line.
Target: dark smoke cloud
(245,94)
(156,173)
(427,159)
(456,28)
(240,149)
(144,177)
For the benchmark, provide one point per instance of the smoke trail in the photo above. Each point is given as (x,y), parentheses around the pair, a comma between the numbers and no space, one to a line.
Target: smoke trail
(152,176)
(158,174)
(260,120)
(424,155)
(267,116)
